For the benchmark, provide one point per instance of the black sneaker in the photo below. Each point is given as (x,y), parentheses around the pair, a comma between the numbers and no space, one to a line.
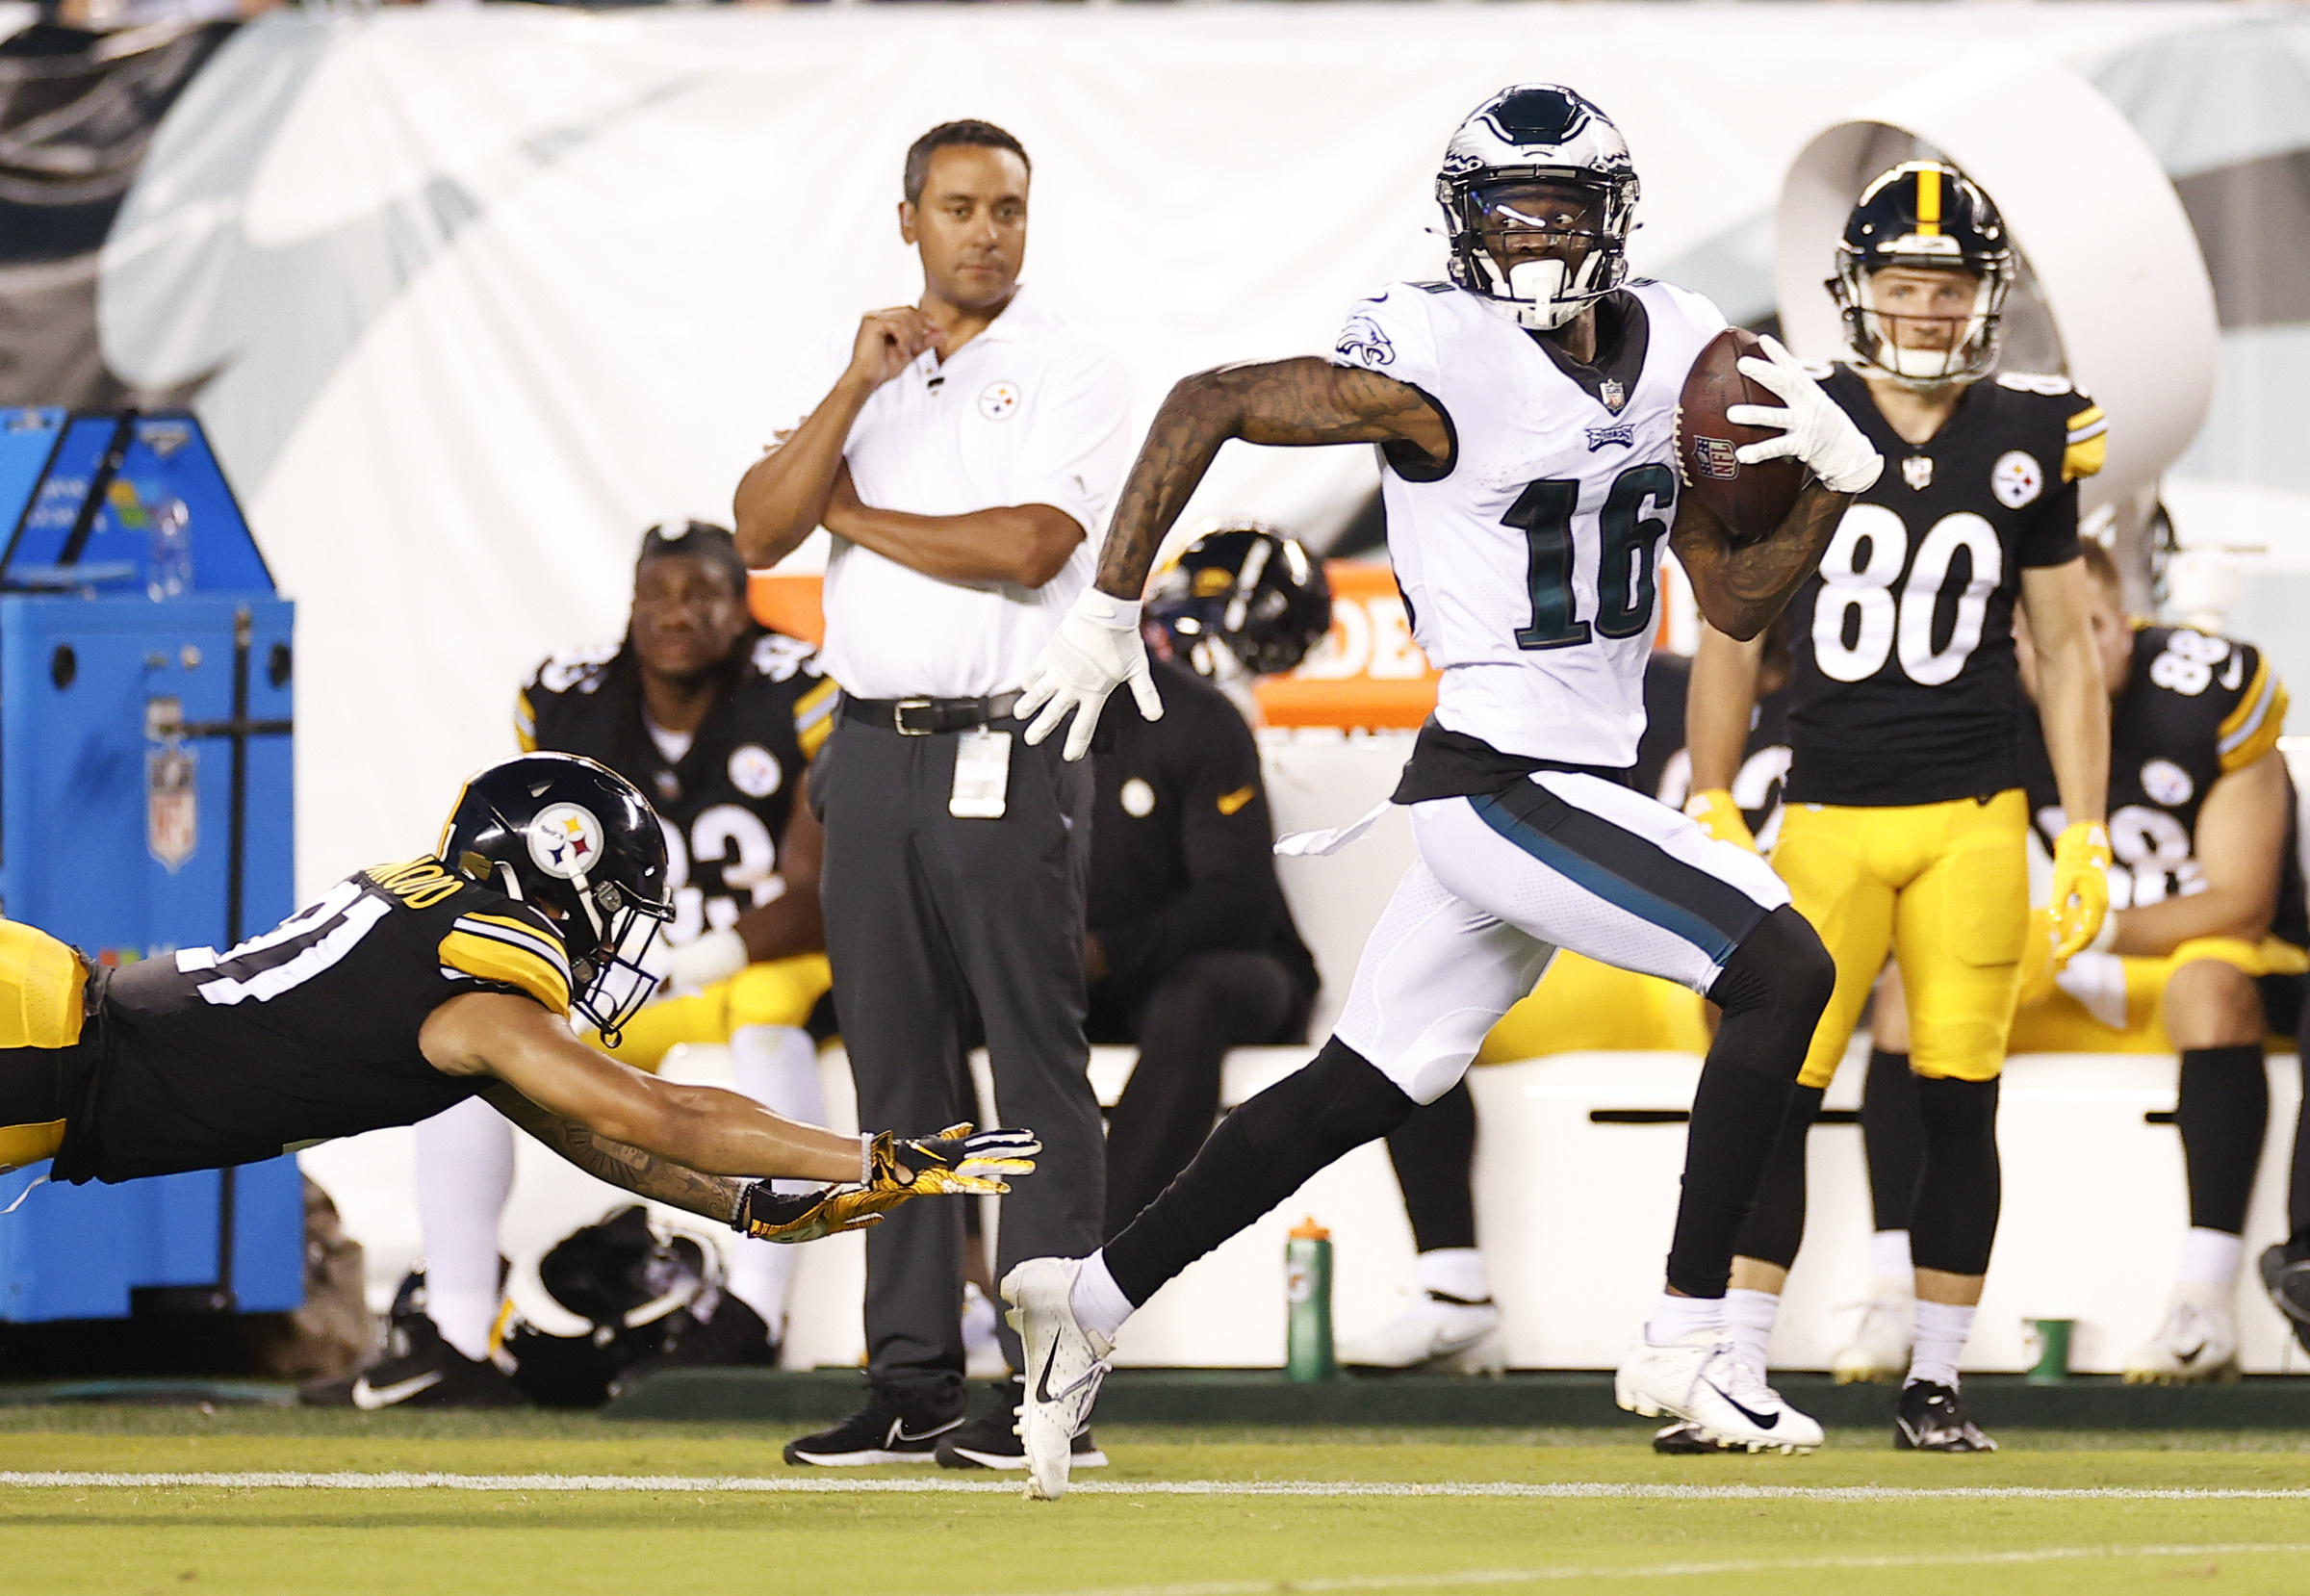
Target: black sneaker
(728,1335)
(419,1370)
(880,1432)
(992,1443)
(1932,1418)
(1685,1440)
(2286,1276)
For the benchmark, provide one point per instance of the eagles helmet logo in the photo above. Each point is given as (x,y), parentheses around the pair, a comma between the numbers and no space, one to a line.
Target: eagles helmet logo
(565,841)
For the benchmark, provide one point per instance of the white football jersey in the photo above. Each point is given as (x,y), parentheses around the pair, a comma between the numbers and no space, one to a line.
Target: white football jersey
(1530,563)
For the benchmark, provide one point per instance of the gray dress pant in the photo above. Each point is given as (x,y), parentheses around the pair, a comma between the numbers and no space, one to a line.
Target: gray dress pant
(929,919)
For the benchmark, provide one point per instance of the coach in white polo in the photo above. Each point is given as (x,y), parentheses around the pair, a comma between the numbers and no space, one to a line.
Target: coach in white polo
(962,452)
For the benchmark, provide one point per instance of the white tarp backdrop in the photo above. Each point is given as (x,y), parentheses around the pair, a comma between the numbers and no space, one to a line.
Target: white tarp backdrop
(482,293)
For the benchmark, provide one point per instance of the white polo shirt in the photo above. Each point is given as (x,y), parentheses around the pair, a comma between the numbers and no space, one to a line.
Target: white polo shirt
(1032,411)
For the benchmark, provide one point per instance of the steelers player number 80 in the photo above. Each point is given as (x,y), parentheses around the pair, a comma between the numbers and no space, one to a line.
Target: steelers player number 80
(1859,572)
(1627,549)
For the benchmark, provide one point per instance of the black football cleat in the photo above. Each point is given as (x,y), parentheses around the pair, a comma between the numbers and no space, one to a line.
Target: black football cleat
(419,1370)
(1932,1418)
(2286,1276)
(992,1442)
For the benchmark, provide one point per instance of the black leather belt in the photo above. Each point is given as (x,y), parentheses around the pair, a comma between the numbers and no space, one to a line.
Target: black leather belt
(919,717)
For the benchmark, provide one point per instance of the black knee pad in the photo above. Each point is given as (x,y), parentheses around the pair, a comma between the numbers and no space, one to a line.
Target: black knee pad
(1778,980)
(1961,1189)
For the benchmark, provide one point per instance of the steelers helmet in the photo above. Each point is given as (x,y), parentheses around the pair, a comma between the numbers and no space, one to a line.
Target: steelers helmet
(580,841)
(1245,588)
(1538,159)
(1927,216)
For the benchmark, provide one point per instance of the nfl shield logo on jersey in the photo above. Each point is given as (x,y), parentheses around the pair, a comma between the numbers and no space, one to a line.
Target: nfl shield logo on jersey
(1917,472)
(1611,394)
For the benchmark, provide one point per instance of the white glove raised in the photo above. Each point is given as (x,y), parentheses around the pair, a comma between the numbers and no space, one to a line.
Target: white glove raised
(711,957)
(1813,427)
(1095,649)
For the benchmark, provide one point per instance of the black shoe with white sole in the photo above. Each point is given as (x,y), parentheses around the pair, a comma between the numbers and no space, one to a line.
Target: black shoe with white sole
(420,1370)
(992,1443)
(1932,1418)
(2286,1276)
(881,1432)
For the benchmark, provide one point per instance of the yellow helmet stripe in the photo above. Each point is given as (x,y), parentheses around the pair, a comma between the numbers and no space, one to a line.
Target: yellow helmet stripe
(1929,202)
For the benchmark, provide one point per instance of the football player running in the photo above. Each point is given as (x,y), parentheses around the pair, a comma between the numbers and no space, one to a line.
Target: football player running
(1525,415)
(409,988)
(717,719)
(1904,823)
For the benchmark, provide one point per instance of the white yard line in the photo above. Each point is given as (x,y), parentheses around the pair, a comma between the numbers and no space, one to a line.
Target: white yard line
(1681,1570)
(1308,1489)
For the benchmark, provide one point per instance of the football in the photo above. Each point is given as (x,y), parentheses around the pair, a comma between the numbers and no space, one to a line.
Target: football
(1750,501)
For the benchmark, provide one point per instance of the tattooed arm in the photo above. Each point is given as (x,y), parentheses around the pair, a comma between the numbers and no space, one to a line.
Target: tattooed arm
(715,1197)
(1740,589)
(1286,402)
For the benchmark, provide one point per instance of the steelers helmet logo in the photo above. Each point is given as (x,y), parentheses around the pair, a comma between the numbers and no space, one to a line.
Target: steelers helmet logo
(754,770)
(2016,478)
(997,399)
(565,841)
(2166,782)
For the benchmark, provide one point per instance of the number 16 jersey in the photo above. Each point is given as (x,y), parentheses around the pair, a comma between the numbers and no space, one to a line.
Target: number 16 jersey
(1904,688)
(1530,558)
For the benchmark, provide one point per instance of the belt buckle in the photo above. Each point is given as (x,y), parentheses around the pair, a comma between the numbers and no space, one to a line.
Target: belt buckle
(898,717)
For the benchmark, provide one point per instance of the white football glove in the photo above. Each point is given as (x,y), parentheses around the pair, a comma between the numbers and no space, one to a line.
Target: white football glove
(1813,427)
(703,960)
(1095,649)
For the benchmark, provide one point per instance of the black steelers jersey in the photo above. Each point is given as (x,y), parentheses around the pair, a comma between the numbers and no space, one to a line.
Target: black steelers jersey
(725,802)
(1903,690)
(1664,765)
(2193,710)
(200,1059)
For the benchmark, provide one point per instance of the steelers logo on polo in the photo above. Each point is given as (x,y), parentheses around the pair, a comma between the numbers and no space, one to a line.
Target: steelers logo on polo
(565,839)
(997,401)
(2016,478)
(2166,782)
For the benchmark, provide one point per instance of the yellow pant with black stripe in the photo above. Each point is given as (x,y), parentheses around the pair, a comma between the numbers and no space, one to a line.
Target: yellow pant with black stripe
(40,984)
(779,992)
(1944,888)
(2115,1003)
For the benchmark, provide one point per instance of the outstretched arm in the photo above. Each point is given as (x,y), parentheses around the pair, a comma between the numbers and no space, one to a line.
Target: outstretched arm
(1291,403)
(1740,589)
(645,1175)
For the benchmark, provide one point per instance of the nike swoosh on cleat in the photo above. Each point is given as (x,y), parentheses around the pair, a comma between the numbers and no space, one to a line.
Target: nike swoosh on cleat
(899,1431)
(1759,1420)
(371,1398)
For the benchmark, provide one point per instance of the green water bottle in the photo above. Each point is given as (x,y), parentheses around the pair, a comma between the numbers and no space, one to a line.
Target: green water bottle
(1307,1301)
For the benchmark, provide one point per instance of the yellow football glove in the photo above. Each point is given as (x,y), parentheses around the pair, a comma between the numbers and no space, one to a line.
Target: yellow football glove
(2081,887)
(898,1168)
(1721,817)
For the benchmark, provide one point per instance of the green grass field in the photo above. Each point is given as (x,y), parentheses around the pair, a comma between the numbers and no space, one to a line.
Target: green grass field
(709,1523)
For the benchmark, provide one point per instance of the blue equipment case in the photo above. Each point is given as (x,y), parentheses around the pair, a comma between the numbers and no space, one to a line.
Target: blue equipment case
(145,786)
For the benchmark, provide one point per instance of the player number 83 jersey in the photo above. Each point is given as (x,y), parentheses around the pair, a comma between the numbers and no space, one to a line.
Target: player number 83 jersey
(1529,560)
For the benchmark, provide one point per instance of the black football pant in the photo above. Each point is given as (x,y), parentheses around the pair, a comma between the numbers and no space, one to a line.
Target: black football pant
(929,919)
(1207,1004)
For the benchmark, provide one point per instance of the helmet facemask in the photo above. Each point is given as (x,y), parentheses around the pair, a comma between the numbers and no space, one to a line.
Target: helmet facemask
(613,980)
(1875,333)
(1538,245)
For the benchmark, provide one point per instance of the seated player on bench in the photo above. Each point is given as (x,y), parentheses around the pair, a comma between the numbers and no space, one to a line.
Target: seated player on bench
(408,988)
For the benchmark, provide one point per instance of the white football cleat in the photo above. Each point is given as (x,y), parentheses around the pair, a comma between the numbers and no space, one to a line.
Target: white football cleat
(1066,1364)
(1434,1329)
(1879,1352)
(2198,1342)
(1697,1379)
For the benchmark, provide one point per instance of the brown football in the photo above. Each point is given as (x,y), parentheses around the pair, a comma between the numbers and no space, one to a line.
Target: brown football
(1750,501)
